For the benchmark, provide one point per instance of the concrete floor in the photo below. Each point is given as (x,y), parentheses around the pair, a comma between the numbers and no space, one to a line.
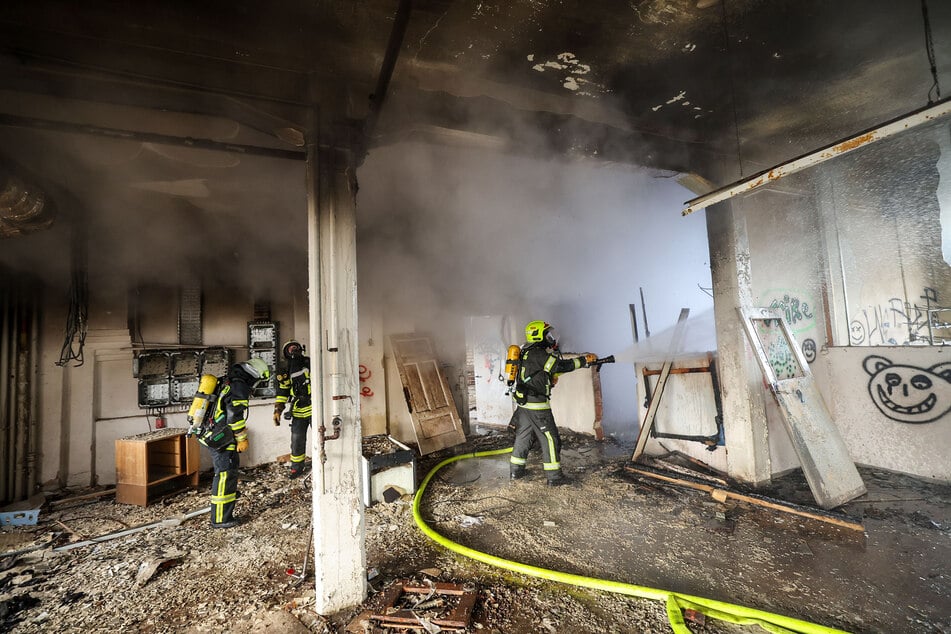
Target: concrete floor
(892,577)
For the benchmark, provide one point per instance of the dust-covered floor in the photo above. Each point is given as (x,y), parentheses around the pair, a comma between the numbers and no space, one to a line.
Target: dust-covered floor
(180,576)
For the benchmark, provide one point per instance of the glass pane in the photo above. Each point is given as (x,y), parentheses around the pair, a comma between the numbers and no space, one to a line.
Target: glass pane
(776,347)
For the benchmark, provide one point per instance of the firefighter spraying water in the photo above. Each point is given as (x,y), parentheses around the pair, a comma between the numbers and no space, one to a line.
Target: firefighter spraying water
(531,372)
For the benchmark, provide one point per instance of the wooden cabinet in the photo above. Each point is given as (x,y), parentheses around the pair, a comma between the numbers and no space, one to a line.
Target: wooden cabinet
(157,462)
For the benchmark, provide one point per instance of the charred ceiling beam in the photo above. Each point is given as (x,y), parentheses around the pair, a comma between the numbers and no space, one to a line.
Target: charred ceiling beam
(148,137)
(393,47)
(67,82)
(930,113)
(537,133)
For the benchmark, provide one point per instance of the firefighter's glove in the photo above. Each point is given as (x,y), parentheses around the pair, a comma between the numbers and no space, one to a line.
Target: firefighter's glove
(277,416)
(590,358)
(242,442)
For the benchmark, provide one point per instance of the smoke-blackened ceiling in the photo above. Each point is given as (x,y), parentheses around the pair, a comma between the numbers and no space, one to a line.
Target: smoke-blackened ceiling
(196,109)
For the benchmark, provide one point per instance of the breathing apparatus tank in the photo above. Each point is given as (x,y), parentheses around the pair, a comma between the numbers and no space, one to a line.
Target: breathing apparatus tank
(202,401)
(511,364)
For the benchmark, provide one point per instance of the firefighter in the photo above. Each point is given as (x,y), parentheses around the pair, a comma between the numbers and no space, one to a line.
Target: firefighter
(293,386)
(231,416)
(539,366)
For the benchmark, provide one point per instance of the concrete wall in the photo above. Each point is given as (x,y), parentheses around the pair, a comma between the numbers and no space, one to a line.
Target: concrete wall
(893,406)
(373,393)
(85,408)
(850,254)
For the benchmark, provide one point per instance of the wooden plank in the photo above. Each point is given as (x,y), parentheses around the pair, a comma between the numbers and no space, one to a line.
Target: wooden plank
(88,496)
(722,493)
(644,432)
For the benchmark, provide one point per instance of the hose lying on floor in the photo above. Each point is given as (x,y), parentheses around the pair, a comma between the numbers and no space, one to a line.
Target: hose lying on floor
(675,602)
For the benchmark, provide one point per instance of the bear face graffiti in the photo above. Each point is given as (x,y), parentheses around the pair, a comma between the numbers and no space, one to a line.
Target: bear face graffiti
(909,394)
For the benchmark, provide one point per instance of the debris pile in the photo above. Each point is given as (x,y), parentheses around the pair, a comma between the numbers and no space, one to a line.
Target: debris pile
(90,564)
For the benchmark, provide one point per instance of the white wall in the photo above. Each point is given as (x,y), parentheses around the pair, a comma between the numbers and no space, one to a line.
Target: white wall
(867,257)
(879,435)
(84,409)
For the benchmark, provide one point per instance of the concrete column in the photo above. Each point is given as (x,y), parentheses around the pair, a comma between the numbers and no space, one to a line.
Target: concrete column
(339,529)
(741,382)
(834,296)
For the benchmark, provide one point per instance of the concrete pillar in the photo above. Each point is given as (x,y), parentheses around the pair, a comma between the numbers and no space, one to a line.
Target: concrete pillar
(832,270)
(741,382)
(339,529)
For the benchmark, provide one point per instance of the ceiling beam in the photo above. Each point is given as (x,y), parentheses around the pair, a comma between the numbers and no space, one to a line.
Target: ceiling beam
(930,113)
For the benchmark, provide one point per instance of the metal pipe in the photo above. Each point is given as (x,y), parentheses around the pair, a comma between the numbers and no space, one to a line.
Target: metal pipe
(33,468)
(21,381)
(882,131)
(135,529)
(6,459)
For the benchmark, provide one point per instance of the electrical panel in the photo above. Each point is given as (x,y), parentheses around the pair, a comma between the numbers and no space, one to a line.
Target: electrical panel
(169,378)
(263,344)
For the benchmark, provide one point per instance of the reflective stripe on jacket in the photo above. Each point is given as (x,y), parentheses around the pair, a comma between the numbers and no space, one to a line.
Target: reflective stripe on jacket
(538,366)
(294,386)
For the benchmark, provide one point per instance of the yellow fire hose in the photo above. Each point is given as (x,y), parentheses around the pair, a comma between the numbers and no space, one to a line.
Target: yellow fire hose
(675,602)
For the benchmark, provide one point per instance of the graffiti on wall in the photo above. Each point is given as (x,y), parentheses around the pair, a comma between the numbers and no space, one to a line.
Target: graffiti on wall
(485,353)
(365,375)
(809,350)
(893,323)
(798,309)
(907,393)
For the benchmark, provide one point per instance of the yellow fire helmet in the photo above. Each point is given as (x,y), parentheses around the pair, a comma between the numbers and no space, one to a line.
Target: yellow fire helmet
(257,369)
(535,331)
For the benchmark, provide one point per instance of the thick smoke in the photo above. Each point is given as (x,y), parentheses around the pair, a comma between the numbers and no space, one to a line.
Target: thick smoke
(163,214)
(445,233)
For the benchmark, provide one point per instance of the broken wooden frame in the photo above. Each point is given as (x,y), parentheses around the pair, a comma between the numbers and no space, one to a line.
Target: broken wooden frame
(644,432)
(386,613)
(722,493)
(712,440)
(931,112)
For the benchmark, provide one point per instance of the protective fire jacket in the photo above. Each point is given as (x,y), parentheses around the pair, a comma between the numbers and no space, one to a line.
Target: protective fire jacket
(294,386)
(538,367)
(232,406)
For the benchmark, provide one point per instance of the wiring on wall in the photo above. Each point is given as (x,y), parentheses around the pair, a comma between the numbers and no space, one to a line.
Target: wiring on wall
(929,49)
(77,319)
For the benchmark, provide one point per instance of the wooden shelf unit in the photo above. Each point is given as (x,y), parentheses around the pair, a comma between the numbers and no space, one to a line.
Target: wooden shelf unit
(158,462)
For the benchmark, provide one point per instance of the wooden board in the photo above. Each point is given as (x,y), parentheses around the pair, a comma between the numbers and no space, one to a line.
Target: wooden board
(644,432)
(426,392)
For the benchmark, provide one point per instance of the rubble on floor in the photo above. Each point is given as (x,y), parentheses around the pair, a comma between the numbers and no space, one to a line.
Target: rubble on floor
(178,576)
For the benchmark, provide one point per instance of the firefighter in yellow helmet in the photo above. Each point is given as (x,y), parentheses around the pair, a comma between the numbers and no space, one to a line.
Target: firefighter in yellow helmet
(293,387)
(539,364)
(229,437)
